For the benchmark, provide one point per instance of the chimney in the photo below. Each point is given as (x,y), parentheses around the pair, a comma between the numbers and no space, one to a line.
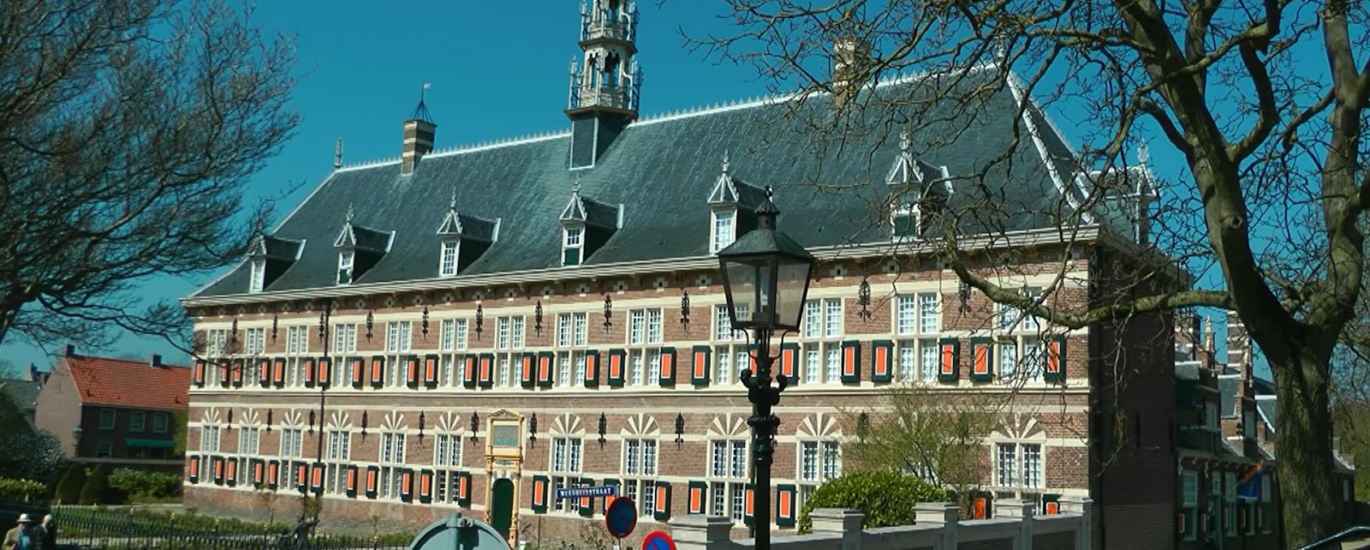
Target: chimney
(71,350)
(156,360)
(418,136)
(851,62)
(337,154)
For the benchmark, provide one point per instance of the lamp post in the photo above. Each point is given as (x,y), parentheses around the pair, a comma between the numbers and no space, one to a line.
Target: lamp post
(76,441)
(325,330)
(765,279)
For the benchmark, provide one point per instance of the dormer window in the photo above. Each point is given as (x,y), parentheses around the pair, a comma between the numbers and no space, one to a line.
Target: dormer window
(345,264)
(447,265)
(572,245)
(724,230)
(907,222)
(257,275)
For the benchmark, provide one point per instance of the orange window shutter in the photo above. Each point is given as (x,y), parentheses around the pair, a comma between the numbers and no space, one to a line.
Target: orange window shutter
(787,363)
(543,364)
(1054,357)
(199,371)
(194,467)
(527,368)
(371,480)
(785,504)
(749,502)
(667,365)
(538,488)
(849,361)
(1053,508)
(660,499)
(272,470)
(430,369)
(461,489)
(701,362)
(232,468)
(882,361)
(427,482)
(218,468)
(356,370)
(325,370)
(948,359)
(981,359)
(484,368)
(318,476)
(696,500)
(351,480)
(615,366)
(409,370)
(376,367)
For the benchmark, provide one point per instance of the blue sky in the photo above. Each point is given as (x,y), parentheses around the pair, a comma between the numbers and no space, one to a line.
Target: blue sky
(495,72)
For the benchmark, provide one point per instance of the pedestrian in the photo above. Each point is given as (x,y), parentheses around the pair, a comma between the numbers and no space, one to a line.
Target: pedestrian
(49,540)
(22,536)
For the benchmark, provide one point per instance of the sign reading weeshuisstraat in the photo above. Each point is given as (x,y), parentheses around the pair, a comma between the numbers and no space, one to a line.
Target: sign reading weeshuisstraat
(578,492)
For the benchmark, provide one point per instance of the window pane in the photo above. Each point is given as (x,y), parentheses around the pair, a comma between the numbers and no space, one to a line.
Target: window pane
(905,314)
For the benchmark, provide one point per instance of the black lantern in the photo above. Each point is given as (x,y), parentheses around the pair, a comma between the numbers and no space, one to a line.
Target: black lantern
(765,276)
(603,424)
(421,418)
(765,279)
(268,420)
(363,424)
(475,425)
(685,309)
(533,428)
(537,319)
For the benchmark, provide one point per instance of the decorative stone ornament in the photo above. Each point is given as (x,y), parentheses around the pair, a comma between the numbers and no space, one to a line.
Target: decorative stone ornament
(963,296)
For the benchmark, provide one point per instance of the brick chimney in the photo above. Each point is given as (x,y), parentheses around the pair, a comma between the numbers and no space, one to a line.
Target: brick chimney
(851,63)
(1238,345)
(71,350)
(419,131)
(156,362)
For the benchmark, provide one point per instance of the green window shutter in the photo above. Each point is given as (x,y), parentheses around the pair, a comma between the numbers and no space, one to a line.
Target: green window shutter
(701,359)
(587,504)
(407,485)
(264,373)
(546,364)
(411,371)
(948,360)
(785,505)
(592,360)
(426,486)
(200,374)
(882,361)
(851,362)
(789,362)
(325,374)
(663,501)
(981,359)
(464,489)
(540,494)
(352,480)
(471,366)
(358,367)
(698,498)
(668,367)
(530,362)
(609,482)
(618,362)
(748,518)
(1055,360)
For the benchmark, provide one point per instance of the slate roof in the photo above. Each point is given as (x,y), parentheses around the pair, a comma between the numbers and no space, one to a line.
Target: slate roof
(24,393)
(277,249)
(662,171)
(124,383)
(1229,389)
(1266,408)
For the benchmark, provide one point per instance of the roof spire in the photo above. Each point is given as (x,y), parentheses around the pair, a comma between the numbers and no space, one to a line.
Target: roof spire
(421,110)
(452,203)
(725,161)
(349,213)
(905,141)
(337,154)
(1143,154)
(575,186)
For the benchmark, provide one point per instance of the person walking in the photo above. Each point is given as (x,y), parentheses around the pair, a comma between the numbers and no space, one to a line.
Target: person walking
(22,536)
(49,538)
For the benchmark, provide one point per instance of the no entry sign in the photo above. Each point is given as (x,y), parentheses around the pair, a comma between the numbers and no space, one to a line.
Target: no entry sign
(658,540)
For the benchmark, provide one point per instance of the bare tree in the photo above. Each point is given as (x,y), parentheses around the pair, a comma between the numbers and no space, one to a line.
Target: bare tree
(128,132)
(1264,102)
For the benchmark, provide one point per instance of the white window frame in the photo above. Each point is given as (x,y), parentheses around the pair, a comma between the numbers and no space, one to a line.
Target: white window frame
(638,466)
(390,456)
(447,450)
(447,258)
(509,345)
(820,341)
(906,210)
(347,261)
(643,345)
(337,457)
(573,238)
(571,340)
(726,494)
(730,348)
(566,462)
(257,276)
(719,242)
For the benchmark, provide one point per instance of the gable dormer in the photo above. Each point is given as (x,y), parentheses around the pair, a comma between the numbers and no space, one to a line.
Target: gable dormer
(732,206)
(586,224)
(359,249)
(917,191)
(462,239)
(268,258)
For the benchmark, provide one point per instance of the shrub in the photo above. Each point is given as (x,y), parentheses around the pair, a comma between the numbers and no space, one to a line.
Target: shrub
(25,490)
(69,490)
(886,497)
(144,486)
(96,489)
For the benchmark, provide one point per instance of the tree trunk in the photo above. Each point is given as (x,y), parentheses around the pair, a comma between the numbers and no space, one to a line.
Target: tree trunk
(1303,448)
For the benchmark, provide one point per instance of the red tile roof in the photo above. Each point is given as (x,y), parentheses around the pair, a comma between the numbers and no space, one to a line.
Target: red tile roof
(125,383)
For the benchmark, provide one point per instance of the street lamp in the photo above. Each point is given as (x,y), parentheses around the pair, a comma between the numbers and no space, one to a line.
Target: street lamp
(76,441)
(765,278)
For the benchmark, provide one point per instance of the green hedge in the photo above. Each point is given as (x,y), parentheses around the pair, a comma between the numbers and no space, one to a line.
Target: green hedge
(96,489)
(886,497)
(143,486)
(69,489)
(22,490)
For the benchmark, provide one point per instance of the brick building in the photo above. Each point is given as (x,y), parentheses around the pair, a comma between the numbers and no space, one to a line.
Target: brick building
(1225,436)
(488,323)
(113,410)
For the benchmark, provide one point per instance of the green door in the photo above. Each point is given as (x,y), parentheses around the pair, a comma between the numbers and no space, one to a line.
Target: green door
(502,498)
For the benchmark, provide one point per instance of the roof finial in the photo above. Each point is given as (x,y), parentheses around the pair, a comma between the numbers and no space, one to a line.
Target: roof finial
(421,110)
(905,141)
(452,203)
(349,212)
(1143,154)
(337,154)
(575,186)
(770,193)
(725,161)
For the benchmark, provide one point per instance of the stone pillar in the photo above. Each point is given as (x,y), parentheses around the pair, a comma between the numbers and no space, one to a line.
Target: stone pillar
(1022,511)
(1084,506)
(942,514)
(701,532)
(839,521)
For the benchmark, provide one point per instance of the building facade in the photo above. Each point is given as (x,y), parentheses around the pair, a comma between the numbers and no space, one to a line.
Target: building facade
(114,410)
(478,327)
